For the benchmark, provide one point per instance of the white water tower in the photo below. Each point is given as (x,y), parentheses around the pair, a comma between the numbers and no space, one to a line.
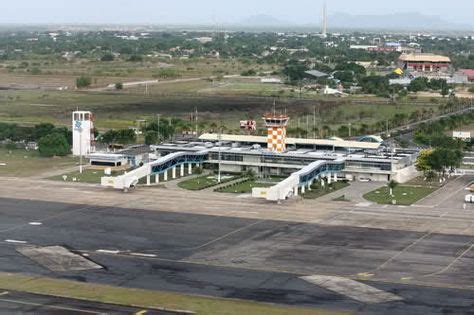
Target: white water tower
(82,133)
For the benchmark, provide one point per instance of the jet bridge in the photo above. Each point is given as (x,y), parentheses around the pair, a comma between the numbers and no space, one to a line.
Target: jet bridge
(171,162)
(301,180)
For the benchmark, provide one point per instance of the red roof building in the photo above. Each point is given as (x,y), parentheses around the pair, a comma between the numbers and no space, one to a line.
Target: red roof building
(469,73)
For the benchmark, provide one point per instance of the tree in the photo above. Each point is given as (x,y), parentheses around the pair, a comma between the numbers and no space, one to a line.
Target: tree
(126,136)
(54,144)
(109,137)
(444,89)
(41,130)
(248,73)
(352,67)
(422,162)
(418,84)
(107,57)
(151,137)
(295,70)
(135,58)
(119,86)
(344,76)
(83,82)
(392,185)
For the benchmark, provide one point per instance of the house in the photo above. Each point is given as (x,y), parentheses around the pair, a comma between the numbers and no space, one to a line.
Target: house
(469,73)
(316,74)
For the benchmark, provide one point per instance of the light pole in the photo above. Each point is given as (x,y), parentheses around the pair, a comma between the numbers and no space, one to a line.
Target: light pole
(79,128)
(80,151)
(219,138)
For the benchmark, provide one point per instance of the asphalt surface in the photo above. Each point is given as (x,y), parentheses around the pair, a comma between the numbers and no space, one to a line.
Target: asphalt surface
(260,260)
(25,303)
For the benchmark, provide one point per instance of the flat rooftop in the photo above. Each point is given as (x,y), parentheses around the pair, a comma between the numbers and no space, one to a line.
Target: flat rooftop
(293,141)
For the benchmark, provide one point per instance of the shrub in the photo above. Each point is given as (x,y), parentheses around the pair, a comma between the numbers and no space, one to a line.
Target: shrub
(54,144)
(83,82)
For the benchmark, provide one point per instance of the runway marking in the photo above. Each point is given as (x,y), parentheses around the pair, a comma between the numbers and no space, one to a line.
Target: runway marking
(35,223)
(403,251)
(143,255)
(4,293)
(228,234)
(353,289)
(49,306)
(142,312)
(16,241)
(107,251)
(452,263)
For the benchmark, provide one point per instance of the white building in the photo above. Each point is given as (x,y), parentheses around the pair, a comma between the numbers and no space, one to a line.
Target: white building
(82,133)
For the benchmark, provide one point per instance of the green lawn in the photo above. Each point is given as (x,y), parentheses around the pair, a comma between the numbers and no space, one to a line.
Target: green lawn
(244,187)
(318,191)
(404,195)
(87,176)
(24,163)
(202,182)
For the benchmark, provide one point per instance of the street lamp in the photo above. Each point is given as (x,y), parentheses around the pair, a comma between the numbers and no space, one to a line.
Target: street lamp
(79,128)
(219,138)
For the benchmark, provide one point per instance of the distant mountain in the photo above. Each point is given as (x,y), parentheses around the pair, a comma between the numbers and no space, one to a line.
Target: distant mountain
(262,20)
(402,21)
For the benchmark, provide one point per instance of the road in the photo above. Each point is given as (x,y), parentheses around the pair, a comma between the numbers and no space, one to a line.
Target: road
(409,127)
(249,258)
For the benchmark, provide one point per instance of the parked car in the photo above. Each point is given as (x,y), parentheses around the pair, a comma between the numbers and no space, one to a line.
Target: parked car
(469,198)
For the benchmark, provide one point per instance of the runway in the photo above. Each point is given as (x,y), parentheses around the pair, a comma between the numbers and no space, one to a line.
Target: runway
(255,259)
(21,303)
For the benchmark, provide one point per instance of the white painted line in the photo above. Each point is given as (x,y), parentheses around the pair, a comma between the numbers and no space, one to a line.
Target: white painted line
(143,255)
(53,307)
(4,293)
(35,223)
(106,251)
(352,289)
(16,241)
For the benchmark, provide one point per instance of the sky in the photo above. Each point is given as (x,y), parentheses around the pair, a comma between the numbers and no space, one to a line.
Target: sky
(216,11)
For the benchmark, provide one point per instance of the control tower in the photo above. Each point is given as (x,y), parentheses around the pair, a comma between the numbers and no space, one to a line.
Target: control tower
(82,133)
(276,125)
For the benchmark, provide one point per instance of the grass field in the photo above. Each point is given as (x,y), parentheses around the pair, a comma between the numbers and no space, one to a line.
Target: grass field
(87,176)
(202,182)
(57,72)
(121,109)
(146,298)
(244,187)
(318,191)
(404,195)
(28,163)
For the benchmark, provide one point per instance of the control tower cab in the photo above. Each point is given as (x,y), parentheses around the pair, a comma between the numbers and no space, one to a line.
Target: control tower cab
(276,125)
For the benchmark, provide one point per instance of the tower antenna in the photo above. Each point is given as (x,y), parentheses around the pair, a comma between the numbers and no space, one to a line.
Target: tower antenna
(325,21)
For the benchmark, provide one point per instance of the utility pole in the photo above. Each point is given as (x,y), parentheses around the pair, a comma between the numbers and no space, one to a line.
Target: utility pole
(80,149)
(158,126)
(219,138)
(314,122)
(196,121)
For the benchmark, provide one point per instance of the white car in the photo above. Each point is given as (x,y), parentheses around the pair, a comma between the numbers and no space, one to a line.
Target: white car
(469,198)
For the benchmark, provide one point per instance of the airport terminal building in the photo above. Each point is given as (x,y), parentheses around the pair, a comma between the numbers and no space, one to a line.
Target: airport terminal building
(364,160)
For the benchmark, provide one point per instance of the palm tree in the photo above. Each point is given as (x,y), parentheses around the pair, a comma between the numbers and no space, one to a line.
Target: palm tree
(392,185)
